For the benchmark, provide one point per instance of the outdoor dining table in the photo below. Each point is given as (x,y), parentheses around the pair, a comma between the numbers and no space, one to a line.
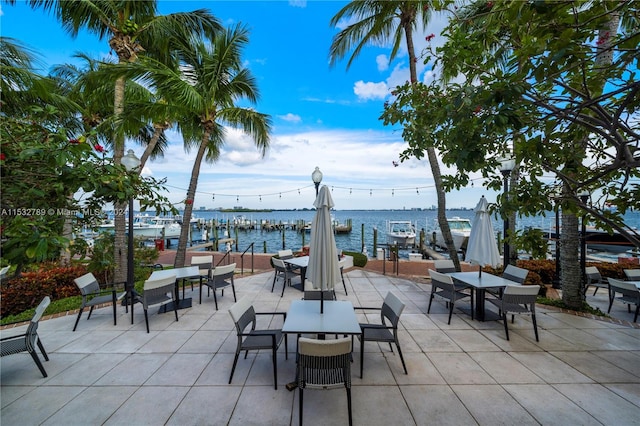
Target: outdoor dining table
(181,274)
(302,263)
(304,317)
(480,283)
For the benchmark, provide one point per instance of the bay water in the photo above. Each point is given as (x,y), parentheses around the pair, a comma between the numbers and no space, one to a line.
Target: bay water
(364,224)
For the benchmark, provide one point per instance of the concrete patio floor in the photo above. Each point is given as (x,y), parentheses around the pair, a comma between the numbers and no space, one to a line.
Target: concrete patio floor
(583,371)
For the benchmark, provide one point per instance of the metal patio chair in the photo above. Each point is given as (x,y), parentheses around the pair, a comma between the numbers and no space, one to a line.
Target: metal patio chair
(28,341)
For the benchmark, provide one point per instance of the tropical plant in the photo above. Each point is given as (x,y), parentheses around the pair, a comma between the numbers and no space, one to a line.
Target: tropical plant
(377,22)
(542,89)
(134,28)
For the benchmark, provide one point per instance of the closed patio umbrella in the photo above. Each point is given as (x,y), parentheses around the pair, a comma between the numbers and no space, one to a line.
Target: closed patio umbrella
(323,271)
(482,246)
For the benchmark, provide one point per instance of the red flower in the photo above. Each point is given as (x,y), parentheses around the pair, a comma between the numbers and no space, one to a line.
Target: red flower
(430,37)
(99,147)
(2,156)
(74,141)
(188,201)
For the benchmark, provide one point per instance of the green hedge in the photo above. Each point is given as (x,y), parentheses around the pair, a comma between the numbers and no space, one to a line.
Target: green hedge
(359,259)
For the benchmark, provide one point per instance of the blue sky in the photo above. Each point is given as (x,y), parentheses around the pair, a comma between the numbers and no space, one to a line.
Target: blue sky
(322,116)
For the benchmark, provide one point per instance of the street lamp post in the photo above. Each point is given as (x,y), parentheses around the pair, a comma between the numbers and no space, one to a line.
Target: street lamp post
(506,166)
(131,163)
(584,197)
(316,177)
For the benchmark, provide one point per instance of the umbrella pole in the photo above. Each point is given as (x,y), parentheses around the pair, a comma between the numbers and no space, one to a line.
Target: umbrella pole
(321,300)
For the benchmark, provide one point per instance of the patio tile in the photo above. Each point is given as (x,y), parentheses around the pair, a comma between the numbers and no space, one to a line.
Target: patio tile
(492,405)
(103,401)
(583,371)
(149,405)
(135,370)
(548,406)
(180,370)
(436,405)
(49,399)
(606,406)
(259,405)
(458,368)
(206,405)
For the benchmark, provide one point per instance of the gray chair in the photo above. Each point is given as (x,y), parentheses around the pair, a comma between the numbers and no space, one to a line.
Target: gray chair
(28,341)
(204,264)
(629,294)
(518,299)
(93,295)
(220,277)
(284,272)
(632,274)
(311,293)
(444,266)
(594,279)
(324,364)
(250,339)
(386,330)
(159,292)
(515,274)
(511,273)
(442,287)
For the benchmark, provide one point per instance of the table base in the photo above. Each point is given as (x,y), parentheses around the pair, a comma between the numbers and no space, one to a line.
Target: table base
(182,304)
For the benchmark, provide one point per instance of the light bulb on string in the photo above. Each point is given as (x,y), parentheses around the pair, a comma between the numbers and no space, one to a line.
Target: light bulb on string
(298,191)
(213,197)
(280,196)
(237,198)
(349,191)
(370,193)
(260,198)
(392,192)
(417,192)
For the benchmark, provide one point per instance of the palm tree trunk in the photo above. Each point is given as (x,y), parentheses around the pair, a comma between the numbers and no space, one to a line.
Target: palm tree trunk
(188,208)
(433,158)
(158,129)
(572,294)
(119,221)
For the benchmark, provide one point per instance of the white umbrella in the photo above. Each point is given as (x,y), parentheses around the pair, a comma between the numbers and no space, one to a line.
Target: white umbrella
(482,246)
(323,271)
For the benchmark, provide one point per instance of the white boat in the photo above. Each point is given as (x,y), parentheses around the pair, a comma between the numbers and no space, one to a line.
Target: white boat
(148,227)
(460,231)
(401,232)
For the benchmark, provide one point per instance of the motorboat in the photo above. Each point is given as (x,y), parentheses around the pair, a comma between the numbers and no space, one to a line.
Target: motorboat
(401,233)
(600,240)
(148,226)
(460,231)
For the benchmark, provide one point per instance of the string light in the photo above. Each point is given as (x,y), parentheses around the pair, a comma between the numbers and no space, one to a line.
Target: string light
(299,190)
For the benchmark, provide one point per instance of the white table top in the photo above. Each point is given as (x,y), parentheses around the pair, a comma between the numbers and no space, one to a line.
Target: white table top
(186,272)
(302,261)
(304,317)
(483,281)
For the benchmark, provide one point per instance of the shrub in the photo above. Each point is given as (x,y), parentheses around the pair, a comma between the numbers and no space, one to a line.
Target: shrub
(359,259)
(27,290)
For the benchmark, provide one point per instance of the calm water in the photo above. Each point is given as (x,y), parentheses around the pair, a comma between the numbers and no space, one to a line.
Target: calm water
(367,220)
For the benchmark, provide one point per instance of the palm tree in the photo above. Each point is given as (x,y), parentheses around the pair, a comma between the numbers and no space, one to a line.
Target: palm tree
(204,91)
(134,28)
(377,22)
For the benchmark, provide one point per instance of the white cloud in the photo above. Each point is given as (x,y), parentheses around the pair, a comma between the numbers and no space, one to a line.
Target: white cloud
(293,118)
(368,91)
(383,62)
